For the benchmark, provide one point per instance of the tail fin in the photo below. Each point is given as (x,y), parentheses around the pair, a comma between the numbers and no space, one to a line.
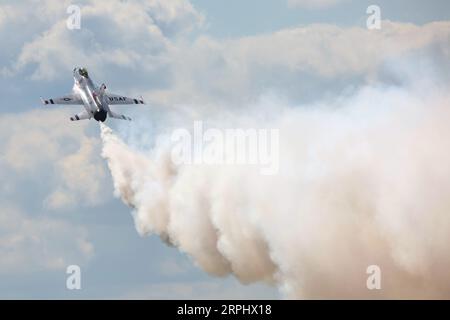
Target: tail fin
(102,90)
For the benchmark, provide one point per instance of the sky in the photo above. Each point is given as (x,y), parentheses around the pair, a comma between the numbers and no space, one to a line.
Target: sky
(198,57)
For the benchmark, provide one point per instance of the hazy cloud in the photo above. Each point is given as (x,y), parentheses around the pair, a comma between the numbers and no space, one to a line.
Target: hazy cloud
(314,4)
(300,63)
(46,145)
(29,244)
(213,289)
(113,33)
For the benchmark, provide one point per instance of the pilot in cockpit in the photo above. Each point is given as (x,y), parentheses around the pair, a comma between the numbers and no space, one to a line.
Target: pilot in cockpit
(83,72)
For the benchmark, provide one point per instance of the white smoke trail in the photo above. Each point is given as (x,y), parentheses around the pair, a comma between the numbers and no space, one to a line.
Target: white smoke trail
(363,182)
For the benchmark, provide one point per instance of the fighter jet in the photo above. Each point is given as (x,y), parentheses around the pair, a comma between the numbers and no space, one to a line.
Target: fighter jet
(95,100)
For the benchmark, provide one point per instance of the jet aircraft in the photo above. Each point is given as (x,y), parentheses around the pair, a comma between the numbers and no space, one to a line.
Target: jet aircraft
(96,100)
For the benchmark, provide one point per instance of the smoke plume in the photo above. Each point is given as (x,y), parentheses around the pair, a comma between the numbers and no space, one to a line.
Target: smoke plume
(362,181)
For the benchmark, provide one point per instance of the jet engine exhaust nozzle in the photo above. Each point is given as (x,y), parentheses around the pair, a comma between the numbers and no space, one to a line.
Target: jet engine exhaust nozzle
(100,115)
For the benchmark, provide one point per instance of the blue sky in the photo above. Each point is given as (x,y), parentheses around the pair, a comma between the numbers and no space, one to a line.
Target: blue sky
(243,18)
(207,56)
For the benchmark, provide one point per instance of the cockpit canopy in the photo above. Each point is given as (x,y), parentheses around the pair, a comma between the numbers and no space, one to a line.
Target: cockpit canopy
(83,72)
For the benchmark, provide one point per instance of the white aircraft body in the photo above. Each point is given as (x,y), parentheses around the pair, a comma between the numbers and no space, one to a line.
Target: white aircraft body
(95,100)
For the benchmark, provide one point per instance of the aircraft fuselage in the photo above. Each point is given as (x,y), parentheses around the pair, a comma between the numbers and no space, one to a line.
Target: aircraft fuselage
(93,99)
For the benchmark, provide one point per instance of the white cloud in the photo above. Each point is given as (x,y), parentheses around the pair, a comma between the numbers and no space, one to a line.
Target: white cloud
(43,152)
(60,199)
(290,62)
(46,144)
(112,33)
(82,175)
(32,244)
(296,62)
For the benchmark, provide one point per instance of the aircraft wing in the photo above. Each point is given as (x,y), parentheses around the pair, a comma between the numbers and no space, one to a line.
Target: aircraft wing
(117,99)
(68,99)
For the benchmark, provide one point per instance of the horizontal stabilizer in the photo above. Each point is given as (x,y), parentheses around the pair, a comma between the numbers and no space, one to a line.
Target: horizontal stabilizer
(118,116)
(80,116)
